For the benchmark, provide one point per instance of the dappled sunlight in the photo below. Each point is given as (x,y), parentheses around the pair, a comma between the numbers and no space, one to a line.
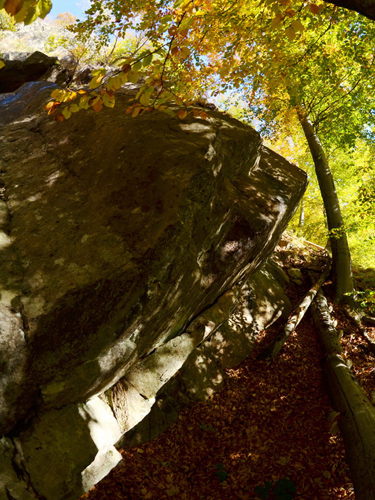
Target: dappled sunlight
(269,422)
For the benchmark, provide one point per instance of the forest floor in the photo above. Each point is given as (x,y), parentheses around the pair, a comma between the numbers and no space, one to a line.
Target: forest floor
(268,434)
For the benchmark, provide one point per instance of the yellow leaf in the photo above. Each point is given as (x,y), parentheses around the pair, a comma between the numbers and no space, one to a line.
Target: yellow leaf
(297,25)
(185,51)
(276,21)
(50,105)
(145,98)
(96,81)
(73,95)
(2,64)
(58,94)
(290,12)
(133,76)
(66,113)
(290,33)
(84,102)
(108,101)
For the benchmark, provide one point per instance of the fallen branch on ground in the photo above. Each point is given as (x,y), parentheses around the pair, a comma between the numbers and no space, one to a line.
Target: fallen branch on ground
(357,414)
(296,317)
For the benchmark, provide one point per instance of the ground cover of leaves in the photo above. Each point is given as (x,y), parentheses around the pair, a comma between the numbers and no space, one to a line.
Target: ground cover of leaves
(270,422)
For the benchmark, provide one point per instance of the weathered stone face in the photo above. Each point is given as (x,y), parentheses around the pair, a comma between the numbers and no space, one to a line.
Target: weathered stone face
(119,235)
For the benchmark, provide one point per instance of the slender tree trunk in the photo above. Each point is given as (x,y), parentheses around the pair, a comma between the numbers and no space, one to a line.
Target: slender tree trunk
(301,221)
(341,263)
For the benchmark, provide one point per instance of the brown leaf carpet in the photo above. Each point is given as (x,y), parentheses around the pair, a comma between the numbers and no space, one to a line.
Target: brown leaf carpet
(271,421)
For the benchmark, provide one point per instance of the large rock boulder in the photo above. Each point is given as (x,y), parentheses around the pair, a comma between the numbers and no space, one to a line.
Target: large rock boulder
(35,66)
(126,244)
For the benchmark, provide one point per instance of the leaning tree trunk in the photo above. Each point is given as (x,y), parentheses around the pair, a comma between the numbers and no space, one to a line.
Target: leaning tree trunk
(341,262)
(357,415)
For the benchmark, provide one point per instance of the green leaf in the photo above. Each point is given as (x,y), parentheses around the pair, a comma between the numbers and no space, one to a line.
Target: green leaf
(263,491)
(137,66)
(147,60)
(221,473)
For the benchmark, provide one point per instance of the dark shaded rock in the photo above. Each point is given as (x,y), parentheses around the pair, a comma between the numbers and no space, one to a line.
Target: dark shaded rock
(126,246)
(35,67)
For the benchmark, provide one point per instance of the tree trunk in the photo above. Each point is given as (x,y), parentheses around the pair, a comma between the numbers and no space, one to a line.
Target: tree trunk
(296,317)
(341,262)
(357,414)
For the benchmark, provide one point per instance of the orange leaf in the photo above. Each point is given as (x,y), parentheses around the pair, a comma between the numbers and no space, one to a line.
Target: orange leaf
(126,68)
(135,113)
(60,118)
(13,6)
(97,105)
(290,12)
(182,114)
(314,9)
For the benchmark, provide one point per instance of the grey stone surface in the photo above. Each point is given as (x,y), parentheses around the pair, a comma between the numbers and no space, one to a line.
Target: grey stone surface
(269,301)
(61,444)
(226,344)
(12,484)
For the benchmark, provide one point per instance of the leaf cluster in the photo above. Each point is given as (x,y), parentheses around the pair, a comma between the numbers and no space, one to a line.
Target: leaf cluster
(26,11)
